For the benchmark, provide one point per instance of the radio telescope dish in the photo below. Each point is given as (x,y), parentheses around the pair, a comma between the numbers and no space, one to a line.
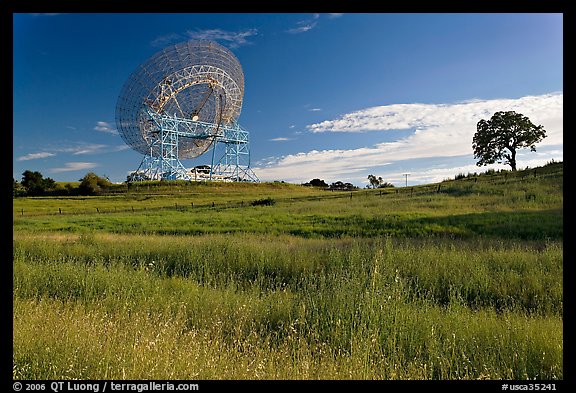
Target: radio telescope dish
(179,103)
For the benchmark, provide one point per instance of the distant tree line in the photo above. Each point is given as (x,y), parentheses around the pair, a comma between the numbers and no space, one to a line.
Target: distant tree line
(375,182)
(336,186)
(35,184)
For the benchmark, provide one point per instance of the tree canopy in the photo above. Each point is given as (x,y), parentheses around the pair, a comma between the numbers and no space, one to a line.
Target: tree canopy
(497,140)
(378,182)
(35,184)
(317,183)
(92,184)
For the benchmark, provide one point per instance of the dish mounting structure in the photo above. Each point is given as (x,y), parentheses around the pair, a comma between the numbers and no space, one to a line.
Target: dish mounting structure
(177,105)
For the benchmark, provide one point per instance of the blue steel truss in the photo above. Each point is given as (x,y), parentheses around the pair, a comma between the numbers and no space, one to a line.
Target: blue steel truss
(230,149)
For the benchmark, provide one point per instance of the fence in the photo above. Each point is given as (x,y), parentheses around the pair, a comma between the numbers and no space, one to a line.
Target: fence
(460,186)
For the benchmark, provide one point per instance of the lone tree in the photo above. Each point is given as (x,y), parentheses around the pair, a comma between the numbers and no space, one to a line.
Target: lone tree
(375,181)
(498,139)
(378,182)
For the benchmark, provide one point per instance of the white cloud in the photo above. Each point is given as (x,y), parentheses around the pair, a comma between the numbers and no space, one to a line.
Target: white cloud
(233,38)
(441,132)
(74,166)
(440,173)
(79,149)
(103,126)
(425,116)
(34,156)
(308,24)
(119,148)
(85,149)
(315,109)
(280,139)
(302,27)
(331,164)
(91,148)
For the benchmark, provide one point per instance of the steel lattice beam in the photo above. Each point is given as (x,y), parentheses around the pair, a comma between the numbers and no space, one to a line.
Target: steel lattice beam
(230,154)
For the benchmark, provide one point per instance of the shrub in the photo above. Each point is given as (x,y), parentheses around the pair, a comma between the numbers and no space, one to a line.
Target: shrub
(263,202)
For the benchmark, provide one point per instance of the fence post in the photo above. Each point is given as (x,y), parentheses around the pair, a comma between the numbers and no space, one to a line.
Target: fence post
(97,211)
(22,211)
(60,210)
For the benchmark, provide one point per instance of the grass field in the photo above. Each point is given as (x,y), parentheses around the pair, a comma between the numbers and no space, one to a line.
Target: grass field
(457,280)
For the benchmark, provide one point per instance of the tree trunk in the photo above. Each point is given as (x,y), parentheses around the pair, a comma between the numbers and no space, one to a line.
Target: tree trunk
(513,160)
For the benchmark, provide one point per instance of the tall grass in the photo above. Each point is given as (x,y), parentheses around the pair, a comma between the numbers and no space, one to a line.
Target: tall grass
(269,307)
(457,280)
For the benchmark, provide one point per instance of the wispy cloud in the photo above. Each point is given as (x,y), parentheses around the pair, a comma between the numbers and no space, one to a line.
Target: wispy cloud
(308,24)
(77,149)
(119,148)
(82,148)
(102,126)
(433,116)
(441,132)
(35,156)
(302,27)
(280,139)
(89,148)
(74,166)
(232,39)
(315,109)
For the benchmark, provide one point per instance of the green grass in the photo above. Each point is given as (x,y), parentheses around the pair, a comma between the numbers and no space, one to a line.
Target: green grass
(466,283)
(307,212)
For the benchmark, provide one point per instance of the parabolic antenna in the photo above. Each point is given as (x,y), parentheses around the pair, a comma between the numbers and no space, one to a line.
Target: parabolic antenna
(179,103)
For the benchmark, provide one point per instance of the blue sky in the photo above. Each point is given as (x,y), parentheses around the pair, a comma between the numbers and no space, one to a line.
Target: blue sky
(329,96)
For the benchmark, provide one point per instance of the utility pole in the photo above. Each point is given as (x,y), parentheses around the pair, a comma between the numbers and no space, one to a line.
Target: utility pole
(406,175)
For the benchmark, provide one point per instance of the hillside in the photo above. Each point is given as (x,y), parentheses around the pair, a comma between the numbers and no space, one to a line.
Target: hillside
(527,204)
(461,279)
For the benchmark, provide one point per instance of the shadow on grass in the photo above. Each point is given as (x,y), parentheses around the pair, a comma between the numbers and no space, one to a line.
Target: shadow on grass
(525,225)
